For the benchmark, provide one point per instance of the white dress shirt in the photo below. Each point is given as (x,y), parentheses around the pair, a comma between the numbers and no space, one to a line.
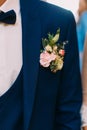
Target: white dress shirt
(10,47)
(84,115)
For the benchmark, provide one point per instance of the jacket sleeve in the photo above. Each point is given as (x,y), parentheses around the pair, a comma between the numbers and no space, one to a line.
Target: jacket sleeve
(69,98)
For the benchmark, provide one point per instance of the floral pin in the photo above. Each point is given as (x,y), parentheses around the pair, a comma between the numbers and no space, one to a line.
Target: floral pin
(53,53)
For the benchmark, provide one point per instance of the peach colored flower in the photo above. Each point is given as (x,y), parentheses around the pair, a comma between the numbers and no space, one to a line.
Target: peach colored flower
(60,64)
(46,58)
(55,48)
(48,48)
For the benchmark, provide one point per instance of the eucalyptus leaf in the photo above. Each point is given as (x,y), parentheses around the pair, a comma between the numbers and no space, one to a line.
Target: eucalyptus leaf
(45,42)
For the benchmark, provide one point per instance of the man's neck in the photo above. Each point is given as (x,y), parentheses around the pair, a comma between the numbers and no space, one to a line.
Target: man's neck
(2,2)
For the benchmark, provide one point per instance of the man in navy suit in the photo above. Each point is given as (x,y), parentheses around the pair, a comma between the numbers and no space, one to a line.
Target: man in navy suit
(32,97)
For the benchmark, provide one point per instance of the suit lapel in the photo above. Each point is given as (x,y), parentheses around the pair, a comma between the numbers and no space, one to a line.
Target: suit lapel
(31,31)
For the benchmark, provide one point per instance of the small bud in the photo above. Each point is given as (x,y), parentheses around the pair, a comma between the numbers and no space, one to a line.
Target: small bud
(62,52)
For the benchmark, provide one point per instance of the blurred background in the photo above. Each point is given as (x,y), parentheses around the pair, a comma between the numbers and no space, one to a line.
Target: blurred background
(68,4)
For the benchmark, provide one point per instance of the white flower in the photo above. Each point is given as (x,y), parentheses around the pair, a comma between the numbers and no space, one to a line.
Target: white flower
(48,48)
(55,48)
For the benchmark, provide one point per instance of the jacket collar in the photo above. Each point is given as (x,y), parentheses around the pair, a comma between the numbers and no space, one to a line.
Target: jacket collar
(31,34)
(30,6)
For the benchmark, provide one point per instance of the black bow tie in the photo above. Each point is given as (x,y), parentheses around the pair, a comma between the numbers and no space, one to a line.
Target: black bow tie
(8,17)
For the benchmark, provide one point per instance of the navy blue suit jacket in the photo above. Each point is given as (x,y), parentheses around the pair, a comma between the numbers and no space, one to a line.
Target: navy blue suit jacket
(51,101)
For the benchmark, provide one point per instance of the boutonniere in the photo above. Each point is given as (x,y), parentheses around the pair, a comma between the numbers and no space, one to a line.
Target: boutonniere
(53,52)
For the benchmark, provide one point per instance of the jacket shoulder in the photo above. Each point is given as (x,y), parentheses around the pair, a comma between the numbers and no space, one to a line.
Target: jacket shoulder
(55,12)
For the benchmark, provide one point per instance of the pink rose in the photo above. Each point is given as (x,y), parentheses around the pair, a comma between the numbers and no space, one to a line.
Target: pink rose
(46,58)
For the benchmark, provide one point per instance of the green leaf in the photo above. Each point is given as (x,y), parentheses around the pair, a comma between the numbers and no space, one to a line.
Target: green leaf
(45,42)
(58,31)
(50,37)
